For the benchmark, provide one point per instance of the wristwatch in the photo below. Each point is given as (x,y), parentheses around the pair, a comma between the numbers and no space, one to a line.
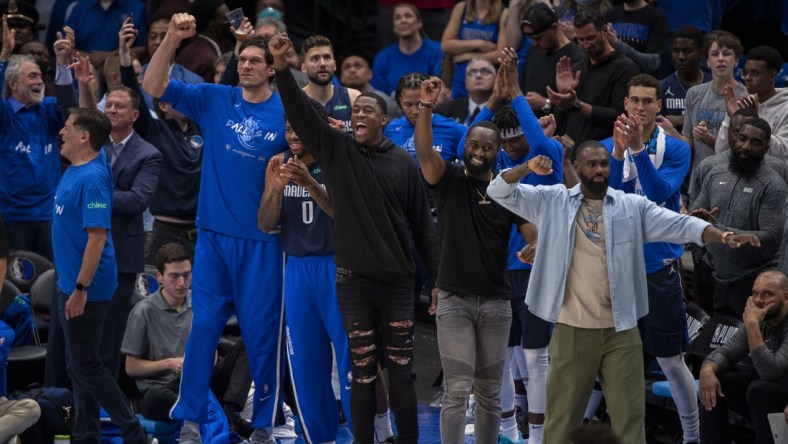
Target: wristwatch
(81,287)
(547,106)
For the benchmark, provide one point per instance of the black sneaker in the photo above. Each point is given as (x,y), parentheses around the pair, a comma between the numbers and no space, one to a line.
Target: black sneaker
(237,424)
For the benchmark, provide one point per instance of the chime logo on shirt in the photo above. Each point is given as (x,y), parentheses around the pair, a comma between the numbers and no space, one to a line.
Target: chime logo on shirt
(97,206)
(247,131)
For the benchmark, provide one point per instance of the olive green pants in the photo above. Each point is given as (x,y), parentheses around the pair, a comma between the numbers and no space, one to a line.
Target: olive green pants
(577,357)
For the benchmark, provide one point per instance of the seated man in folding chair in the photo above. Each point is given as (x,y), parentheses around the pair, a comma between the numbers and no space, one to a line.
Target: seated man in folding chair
(155,343)
(764,337)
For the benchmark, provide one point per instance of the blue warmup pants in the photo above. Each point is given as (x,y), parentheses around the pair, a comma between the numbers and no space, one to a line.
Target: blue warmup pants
(313,324)
(241,276)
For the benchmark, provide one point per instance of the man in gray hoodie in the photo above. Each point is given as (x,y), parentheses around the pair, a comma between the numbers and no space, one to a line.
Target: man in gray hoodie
(743,194)
(760,73)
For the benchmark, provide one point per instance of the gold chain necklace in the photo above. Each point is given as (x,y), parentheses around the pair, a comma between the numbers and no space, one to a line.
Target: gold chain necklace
(484,200)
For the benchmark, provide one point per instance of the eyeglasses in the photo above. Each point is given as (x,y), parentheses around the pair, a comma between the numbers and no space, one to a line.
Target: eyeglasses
(753,73)
(479,72)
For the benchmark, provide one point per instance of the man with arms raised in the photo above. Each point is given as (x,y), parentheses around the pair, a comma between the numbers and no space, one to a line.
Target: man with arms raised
(473,311)
(592,284)
(243,128)
(377,195)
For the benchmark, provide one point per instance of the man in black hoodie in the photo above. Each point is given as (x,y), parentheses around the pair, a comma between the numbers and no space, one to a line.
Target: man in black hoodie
(377,194)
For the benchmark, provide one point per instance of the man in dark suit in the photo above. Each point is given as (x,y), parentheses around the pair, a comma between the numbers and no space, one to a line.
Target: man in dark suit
(479,81)
(135,169)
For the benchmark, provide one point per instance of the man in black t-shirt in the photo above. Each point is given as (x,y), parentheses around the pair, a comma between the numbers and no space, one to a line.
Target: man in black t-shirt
(472,307)
(549,45)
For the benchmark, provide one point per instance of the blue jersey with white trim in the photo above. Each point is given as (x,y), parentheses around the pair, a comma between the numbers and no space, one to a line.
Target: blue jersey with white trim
(339,106)
(306,229)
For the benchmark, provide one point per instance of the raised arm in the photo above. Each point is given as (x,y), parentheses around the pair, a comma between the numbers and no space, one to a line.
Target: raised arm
(430,161)
(541,165)
(126,36)
(64,81)
(230,74)
(532,128)
(9,40)
(316,134)
(182,26)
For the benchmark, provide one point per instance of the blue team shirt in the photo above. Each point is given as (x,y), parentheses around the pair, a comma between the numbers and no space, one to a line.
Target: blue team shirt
(470,31)
(29,159)
(84,200)
(240,138)
(446,135)
(673,94)
(97,28)
(391,64)
(540,145)
(659,186)
(339,106)
(306,229)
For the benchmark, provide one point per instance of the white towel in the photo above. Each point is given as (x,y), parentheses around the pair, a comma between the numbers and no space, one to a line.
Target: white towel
(630,169)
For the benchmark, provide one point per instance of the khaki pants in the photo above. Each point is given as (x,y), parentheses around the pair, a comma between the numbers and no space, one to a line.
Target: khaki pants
(577,357)
(17,416)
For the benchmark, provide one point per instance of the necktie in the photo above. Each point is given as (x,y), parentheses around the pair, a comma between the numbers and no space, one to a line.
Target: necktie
(473,115)
(114,153)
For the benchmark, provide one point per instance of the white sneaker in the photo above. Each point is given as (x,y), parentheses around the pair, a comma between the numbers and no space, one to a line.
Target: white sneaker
(188,436)
(470,429)
(470,411)
(260,436)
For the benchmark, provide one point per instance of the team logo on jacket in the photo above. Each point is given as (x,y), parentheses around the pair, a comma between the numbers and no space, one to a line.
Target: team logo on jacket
(196,141)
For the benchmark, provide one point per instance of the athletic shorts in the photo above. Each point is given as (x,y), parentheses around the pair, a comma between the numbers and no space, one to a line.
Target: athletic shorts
(527,329)
(664,329)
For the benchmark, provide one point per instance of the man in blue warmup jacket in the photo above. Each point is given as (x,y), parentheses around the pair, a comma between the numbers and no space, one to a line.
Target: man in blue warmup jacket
(653,165)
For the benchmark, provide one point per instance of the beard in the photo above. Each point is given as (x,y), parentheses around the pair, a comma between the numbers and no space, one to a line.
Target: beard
(477,170)
(594,187)
(774,312)
(317,80)
(744,167)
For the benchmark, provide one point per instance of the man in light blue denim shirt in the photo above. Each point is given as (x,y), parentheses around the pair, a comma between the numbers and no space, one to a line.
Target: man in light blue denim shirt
(593,286)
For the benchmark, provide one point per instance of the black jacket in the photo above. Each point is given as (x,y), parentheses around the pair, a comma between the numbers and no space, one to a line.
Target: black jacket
(604,86)
(377,195)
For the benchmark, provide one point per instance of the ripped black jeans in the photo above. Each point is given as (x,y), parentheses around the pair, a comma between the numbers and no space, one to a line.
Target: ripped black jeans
(376,316)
